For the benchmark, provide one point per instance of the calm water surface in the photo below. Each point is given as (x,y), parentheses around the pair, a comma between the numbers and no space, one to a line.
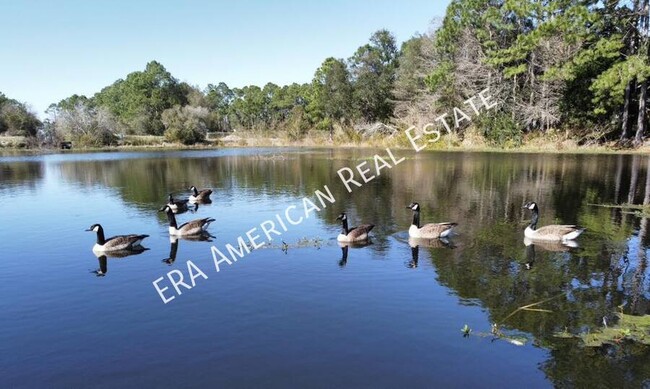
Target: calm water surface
(384,315)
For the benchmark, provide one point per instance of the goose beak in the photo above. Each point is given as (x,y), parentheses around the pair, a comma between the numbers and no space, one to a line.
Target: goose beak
(88,229)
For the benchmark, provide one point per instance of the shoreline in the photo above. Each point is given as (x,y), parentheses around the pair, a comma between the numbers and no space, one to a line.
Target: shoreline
(272,142)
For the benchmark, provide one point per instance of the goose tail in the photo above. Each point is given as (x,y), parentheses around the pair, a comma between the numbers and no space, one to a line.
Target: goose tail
(574,234)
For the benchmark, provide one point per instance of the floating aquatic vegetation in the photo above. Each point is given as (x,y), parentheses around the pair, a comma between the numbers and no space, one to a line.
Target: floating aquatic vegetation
(309,242)
(495,333)
(629,328)
(516,339)
(284,246)
(631,209)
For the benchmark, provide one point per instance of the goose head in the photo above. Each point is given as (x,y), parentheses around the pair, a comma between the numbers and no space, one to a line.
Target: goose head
(171,198)
(95,228)
(166,208)
(413,207)
(530,205)
(342,216)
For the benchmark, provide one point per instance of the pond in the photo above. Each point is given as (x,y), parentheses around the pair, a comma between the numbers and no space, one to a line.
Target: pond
(302,311)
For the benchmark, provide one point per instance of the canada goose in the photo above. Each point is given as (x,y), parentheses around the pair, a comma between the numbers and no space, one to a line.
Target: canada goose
(200,196)
(430,230)
(354,234)
(116,243)
(194,227)
(553,232)
(177,205)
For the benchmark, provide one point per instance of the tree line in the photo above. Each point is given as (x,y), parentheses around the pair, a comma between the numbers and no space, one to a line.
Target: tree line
(576,66)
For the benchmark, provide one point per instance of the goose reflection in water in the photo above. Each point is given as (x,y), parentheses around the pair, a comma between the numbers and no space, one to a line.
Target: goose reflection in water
(345,246)
(181,206)
(173,244)
(547,246)
(415,244)
(103,258)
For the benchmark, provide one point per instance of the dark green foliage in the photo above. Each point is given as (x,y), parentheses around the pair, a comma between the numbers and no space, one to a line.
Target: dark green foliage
(500,130)
(373,71)
(16,119)
(139,100)
(331,97)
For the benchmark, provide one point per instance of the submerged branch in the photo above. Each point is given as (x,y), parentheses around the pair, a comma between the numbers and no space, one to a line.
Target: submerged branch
(529,307)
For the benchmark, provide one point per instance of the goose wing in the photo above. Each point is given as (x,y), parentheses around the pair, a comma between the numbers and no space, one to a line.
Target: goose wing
(121,242)
(195,226)
(356,232)
(556,230)
(204,194)
(436,229)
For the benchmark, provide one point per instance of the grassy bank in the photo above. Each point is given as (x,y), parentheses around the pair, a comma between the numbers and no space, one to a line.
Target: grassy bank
(553,142)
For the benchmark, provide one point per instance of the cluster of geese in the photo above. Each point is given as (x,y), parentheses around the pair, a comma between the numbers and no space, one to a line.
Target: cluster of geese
(436,234)
(123,245)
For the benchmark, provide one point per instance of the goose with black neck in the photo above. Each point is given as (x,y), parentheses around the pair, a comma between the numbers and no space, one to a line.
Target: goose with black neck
(429,230)
(551,232)
(115,243)
(354,234)
(194,227)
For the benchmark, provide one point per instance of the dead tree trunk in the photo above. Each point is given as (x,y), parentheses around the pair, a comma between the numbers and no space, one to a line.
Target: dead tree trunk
(643,93)
(641,120)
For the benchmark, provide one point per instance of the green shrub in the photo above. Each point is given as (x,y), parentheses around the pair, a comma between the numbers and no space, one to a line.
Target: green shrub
(186,125)
(500,130)
(297,125)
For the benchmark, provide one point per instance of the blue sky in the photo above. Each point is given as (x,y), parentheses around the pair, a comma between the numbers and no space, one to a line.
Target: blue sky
(53,49)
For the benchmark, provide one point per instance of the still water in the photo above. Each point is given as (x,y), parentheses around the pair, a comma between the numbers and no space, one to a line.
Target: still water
(306,312)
